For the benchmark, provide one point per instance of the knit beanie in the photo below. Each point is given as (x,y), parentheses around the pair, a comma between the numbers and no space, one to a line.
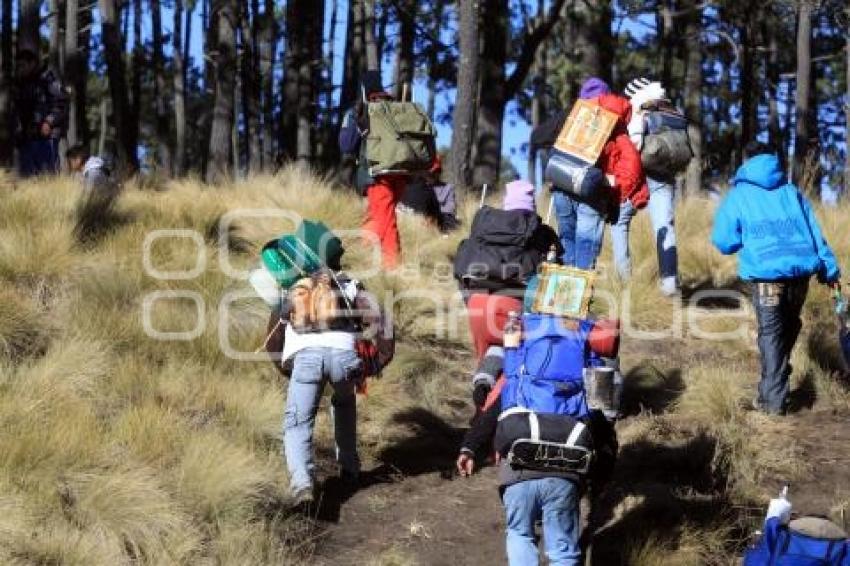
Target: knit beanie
(593,87)
(519,195)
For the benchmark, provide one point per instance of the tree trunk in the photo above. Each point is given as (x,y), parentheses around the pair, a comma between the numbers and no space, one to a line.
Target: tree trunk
(138,67)
(56,45)
(301,78)
(6,117)
(223,58)
(772,76)
(251,90)
(538,102)
(403,72)
(373,61)
(803,131)
(116,72)
(433,57)
(161,126)
(29,22)
(268,53)
(693,99)
(667,42)
(749,91)
(74,70)
(179,78)
(463,118)
(593,41)
(492,95)
(496,89)
(847,112)
(355,53)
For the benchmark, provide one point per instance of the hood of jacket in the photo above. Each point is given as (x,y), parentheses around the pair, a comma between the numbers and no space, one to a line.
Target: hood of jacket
(618,105)
(763,171)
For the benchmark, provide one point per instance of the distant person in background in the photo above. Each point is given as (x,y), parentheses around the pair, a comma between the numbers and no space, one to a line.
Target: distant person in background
(384,192)
(581,223)
(433,198)
(646,97)
(92,169)
(446,198)
(40,105)
(771,226)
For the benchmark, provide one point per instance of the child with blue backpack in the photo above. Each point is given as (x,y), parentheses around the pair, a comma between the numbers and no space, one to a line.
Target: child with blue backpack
(546,438)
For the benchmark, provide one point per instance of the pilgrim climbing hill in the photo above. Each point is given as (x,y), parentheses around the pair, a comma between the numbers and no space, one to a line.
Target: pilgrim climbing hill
(141,427)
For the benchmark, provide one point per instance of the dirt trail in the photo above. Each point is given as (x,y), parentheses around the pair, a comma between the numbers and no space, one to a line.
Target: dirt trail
(424,514)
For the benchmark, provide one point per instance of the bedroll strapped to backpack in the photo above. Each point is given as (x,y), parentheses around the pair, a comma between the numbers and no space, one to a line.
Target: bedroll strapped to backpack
(400,140)
(544,442)
(666,146)
(573,176)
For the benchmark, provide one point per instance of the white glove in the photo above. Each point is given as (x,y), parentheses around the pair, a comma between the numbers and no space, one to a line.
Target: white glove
(779,508)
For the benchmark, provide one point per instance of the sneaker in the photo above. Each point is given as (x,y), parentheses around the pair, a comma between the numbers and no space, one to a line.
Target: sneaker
(669,287)
(303,496)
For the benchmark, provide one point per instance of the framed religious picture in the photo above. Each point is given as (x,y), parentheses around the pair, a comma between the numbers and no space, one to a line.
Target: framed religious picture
(563,291)
(586,131)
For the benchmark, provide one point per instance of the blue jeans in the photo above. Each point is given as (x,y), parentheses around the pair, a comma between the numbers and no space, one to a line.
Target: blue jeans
(778,306)
(580,228)
(661,214)
(620,239)
(312,367)
(555,501)
(39,156)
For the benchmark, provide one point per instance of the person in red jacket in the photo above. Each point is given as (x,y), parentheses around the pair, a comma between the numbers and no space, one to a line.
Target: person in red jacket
(581,223)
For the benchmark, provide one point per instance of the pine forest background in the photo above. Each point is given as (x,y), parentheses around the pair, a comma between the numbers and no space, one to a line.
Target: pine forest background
(220,88)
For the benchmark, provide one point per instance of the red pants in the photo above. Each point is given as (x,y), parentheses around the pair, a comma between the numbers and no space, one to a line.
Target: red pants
(488,315)
(382,198)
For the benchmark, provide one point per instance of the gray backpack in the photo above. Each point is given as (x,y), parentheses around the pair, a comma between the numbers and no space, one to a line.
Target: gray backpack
(666,146)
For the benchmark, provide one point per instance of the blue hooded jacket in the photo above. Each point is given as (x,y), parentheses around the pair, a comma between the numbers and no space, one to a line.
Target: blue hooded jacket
(772,225)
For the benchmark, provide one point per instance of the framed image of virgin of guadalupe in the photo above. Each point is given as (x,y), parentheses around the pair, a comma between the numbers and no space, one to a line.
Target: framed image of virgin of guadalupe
(587,129)
(563,291)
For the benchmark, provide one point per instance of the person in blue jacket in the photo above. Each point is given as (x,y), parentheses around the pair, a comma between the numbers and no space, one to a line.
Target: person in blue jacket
(771,226)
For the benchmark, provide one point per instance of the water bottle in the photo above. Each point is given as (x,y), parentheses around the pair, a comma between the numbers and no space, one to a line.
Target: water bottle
(512,336)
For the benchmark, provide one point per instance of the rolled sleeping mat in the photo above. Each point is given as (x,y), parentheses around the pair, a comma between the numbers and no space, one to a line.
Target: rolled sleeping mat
(266,286)
(574,176)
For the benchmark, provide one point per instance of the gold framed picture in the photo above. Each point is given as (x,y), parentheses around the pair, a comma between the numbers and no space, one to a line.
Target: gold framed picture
(586,131)
(563,291)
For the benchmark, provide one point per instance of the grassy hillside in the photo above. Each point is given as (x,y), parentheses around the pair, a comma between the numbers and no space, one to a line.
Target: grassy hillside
(117,447)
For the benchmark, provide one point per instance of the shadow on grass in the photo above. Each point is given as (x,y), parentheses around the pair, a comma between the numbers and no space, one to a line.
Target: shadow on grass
(824,348)
(646,388)
(430,446)
(670,487)
(95,216)
(804,395)
(706,295)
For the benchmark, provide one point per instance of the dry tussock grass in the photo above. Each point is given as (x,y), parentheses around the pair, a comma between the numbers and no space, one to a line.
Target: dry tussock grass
(120,449)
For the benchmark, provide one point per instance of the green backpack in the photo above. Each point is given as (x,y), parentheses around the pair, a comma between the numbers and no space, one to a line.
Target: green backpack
(293,256)
(400,140)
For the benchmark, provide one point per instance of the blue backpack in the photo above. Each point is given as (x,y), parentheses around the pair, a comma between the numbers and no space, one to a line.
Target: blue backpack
(783,546)
(545,374)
